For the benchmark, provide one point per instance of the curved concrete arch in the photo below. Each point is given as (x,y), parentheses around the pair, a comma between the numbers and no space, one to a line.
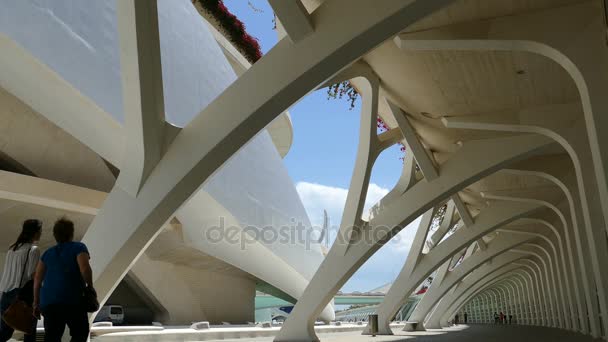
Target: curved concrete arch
(597,252)
(548,279)
(564,218)
(543,171)
(523,309)
(462,295)
(488,317)
(505,294)
(534,299)
(519,311)
(527,304)
(512,290)
(504,260)
(487,221)
(577,305)
(557,290)
(562,276)
(493,285)
(506,299)
(549,260)
(551,284)
(440,287)
(541,289)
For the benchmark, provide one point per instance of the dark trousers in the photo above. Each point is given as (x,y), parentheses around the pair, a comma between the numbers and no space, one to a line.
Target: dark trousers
(6,332)
(56,317)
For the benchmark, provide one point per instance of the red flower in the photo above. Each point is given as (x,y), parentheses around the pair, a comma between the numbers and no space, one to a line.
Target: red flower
(234,28)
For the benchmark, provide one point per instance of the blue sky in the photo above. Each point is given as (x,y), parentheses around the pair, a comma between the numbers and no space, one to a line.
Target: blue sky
(322,156)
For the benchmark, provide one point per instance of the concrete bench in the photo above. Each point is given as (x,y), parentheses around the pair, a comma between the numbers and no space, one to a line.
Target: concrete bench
(200,325)
(410,326)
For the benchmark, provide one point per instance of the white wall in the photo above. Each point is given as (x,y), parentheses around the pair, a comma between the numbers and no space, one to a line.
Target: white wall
(79,41)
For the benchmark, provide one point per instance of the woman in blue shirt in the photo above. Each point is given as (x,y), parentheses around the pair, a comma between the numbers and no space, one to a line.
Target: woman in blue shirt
(62,275)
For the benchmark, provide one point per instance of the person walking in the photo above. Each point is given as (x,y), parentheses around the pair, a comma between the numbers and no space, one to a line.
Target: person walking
(502,317)
(19,266)
(495,318)
(62,277)
(466,317)
(510,319)
(456,319)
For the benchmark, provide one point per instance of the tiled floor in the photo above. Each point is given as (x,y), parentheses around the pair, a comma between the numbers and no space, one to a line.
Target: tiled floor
(473,333)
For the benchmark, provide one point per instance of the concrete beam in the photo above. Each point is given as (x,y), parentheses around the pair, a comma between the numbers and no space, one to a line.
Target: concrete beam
(142,89)
(425,161)
(294,18)
(43,192)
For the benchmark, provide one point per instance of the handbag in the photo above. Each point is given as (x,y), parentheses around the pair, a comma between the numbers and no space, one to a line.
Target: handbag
(20,314)
(89,299)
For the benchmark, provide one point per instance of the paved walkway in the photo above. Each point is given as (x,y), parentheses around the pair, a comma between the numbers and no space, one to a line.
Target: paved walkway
(461,333)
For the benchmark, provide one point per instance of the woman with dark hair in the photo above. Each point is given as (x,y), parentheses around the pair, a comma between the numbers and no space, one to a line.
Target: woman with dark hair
(62,276)
(19,265)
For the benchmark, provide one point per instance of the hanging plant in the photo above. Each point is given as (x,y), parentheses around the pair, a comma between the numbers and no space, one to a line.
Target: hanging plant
(383,127)
(233,27)
(343,89)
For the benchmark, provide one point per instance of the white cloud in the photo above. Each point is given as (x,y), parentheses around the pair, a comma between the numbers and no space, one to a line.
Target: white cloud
(318,197)
(384,266)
